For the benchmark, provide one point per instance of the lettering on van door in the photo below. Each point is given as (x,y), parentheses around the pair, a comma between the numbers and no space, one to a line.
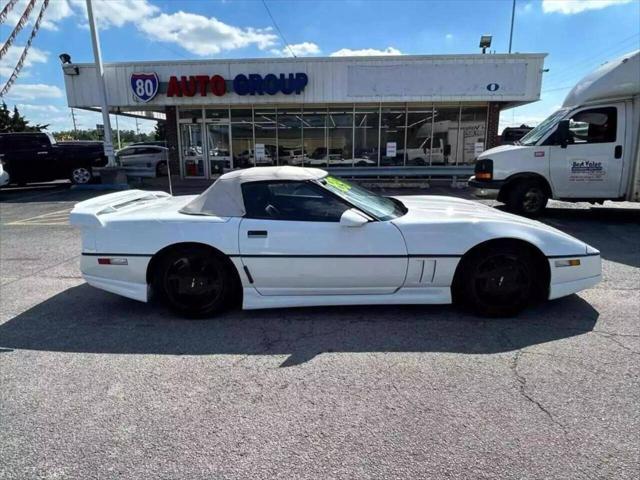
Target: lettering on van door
(587,171)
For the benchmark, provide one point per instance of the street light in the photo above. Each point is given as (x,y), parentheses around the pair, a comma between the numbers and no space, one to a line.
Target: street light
(485,42)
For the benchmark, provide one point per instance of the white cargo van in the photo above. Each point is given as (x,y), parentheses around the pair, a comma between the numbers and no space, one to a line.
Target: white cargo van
(586,151)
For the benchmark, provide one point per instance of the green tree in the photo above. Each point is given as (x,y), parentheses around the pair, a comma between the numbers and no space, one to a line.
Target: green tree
(16,122)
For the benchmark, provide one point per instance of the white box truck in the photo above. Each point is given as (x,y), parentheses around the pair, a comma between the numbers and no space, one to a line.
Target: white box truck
(586,151)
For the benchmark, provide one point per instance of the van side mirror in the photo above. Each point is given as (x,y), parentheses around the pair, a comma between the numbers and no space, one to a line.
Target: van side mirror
(562,133)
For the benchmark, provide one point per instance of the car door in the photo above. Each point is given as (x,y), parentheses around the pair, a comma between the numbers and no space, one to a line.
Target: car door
(292,243)
(591,164)
(133,157)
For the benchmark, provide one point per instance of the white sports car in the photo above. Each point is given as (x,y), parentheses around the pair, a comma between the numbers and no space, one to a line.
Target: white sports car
(289,237)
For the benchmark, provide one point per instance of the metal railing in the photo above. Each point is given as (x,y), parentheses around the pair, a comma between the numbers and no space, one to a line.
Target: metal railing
(457,171)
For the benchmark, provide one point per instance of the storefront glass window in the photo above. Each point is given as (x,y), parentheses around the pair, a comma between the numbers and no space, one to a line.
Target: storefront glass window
(217,114)
(473,121)
(445,136)
(314,136)
(192,114)
(266,152)
(392,136)
(366,137)
(340,137)
(419,126)
(241,136)
(192,151)
(290,151)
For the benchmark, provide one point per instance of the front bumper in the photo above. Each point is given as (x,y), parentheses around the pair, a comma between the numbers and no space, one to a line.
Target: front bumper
(486,184)
(567,280)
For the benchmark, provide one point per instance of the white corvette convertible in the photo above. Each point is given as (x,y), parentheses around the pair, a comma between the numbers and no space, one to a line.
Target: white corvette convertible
(289,237)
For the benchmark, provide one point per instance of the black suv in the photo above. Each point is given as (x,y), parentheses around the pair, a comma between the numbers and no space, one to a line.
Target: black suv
(37,157)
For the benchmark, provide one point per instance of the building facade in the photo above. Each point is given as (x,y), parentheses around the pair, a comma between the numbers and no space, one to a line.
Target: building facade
(378,112)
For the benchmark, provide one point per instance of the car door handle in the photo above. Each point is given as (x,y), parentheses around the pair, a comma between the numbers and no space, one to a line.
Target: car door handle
(617,152)
(43,153)
(257,234)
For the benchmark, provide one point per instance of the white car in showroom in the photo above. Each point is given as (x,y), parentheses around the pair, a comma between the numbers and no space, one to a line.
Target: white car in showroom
(289,237)
(144,160)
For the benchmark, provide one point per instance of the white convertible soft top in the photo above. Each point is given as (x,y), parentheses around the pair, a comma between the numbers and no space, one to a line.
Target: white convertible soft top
(224,197)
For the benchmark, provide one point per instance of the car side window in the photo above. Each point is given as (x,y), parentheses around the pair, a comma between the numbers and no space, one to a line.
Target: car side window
(595,125)
(292,201)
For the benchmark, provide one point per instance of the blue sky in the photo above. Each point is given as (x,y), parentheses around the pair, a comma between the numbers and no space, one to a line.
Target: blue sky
(578,35)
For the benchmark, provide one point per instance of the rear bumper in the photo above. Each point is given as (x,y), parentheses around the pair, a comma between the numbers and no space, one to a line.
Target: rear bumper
(128,280)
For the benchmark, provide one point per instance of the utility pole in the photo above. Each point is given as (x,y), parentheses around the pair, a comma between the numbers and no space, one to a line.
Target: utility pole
(75,126)
(108,138)
(513,17)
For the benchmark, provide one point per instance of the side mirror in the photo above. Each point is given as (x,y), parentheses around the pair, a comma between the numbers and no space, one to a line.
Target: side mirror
(562,133)
(353,218)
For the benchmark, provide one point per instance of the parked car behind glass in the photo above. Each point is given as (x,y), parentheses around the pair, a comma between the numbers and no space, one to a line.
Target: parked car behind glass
(144,160)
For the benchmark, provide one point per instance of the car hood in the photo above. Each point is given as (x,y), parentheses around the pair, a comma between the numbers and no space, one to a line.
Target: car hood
(431,220)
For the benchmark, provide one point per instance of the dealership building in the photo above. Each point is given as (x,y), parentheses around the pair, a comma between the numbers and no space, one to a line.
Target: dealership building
(402,112)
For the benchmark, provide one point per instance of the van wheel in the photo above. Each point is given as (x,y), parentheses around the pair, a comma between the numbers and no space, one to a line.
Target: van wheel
(498,281)
(527,198)
(194,281)
(81,175)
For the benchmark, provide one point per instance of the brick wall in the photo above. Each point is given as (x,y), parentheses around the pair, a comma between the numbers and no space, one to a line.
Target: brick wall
(493,119)
(172,140)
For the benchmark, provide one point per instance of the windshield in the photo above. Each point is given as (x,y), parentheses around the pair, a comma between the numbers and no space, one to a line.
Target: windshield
(379,207)
(541,130)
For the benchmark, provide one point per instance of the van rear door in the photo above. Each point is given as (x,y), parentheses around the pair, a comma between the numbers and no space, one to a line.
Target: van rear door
(591,165)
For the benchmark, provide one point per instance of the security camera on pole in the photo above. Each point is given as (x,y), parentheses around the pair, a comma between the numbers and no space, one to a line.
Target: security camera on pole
(109,174)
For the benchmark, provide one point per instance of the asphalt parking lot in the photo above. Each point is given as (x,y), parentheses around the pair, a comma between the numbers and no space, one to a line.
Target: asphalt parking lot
(93,385)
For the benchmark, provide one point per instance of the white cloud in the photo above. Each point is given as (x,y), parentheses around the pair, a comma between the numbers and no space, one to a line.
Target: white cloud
(366,52)
(569,7)
(303,49)
(116,13)
(9,61)
(204,36)
(32,91)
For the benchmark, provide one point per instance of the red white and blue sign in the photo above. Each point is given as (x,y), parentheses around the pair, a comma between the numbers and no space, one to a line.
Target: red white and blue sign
(144,86)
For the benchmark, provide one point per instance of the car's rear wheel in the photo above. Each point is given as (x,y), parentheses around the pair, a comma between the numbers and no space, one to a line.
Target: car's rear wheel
(499,280)
(81,175)
(194,281)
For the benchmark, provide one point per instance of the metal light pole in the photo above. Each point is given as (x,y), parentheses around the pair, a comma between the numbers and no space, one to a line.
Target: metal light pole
(108,138)
(513,16)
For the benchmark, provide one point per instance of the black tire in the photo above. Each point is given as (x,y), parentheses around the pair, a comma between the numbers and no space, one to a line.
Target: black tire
(194,281)
(80,175)
(162,169)
(528,198)
(499,280)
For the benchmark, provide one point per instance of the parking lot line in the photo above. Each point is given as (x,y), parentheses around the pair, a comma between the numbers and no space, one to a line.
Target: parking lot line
(59,217)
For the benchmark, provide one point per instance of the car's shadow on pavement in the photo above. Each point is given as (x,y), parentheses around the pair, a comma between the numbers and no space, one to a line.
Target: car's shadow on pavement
(84,319)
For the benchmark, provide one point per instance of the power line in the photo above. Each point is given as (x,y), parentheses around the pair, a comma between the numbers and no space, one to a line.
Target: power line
(284,40)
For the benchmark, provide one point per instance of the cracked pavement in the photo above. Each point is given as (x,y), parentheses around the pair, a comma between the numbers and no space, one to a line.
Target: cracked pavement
(96,386)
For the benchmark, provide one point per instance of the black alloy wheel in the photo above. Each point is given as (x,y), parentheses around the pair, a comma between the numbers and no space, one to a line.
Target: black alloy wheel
(499,281)
(195,282)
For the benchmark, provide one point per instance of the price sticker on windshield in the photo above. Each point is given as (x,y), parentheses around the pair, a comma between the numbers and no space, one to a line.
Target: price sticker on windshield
(339,184)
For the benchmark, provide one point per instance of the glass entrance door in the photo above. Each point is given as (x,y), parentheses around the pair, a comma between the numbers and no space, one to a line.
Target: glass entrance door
(192,151)
(218,148)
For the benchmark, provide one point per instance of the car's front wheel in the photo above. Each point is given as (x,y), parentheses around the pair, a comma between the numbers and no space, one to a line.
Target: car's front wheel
(194,281)
(499,280)
(81,175)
